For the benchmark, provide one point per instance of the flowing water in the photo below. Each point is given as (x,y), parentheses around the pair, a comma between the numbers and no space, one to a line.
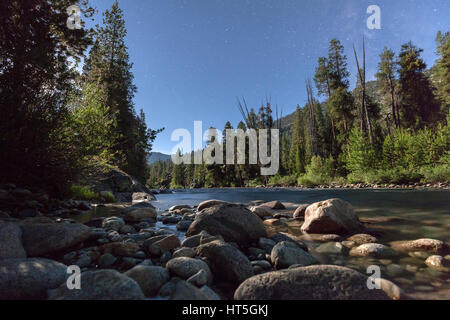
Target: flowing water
(394,215)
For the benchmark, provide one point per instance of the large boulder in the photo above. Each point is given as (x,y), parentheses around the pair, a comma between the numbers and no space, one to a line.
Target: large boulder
(285,254)
(40,239)
(233,222)
(331,216)
(30,278)
(11,241)
(210,203)
(319,282)
(139,211)
(428,245)
(226,262)
(185,267)
(100,285)
(142,196)
(149,278)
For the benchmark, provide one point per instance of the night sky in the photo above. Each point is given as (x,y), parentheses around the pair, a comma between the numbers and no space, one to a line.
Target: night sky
(192,58)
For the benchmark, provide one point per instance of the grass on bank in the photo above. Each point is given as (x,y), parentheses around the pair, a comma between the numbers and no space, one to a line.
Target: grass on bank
(86,193)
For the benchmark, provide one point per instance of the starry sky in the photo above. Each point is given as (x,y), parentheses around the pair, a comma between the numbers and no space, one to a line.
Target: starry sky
(193,58)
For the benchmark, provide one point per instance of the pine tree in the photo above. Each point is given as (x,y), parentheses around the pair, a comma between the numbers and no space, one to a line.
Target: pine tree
(108,67)
(417,103)
(442,70)
(387,68)
(297,152)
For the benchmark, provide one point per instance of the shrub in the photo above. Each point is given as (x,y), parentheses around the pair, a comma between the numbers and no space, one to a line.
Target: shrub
(86,193)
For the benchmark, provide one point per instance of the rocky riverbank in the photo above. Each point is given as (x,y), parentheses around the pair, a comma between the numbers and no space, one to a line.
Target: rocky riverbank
(227,251)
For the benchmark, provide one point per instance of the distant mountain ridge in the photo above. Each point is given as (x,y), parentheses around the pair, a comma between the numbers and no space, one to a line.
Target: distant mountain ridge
(157,156)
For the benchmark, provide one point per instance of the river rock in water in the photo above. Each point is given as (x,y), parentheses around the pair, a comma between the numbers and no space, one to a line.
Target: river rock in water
(428,245)
(285,254)
(226,261)
(331,216)
(374,250)
(210,203)
(30,278)
(100,285)
(321,282)
(233,222)
(274,205)
(300,211)
(438,263)
(362,238)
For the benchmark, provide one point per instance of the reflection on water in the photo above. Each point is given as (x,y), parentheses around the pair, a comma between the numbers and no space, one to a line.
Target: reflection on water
(390,214)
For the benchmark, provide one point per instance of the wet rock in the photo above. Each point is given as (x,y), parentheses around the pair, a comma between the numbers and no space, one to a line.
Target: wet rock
(199,279)
(285,254)
(106,260)
(11,241)
(320,237)
(165,244)
(165,257)
(142,196)
(331,216)
(262,211)
(321,282)
(179,207)
(263,264)
(362,238)
(113,223)
(428,245)
(113,236)
(30,278)
(40,239)
(374,250)
(299,213)
(210,203)
(149,278)
(274,205)
(234,222)
(283,236)
(170,220)
(100,285)
(394,270)
(187,291)
(211,295)
(331,248)
(438,263)
(391,289)
(121,249)
(185,267)
(127,229)
(266,244)
(184,225)
(167,289)
(226,261)
(192,241)
(184,252)
(139,214)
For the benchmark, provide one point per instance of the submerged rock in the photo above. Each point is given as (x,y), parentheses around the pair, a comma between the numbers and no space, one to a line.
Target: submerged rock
(321,282)
(428,245)
(374,250)
(234,222)
(331,216)
(362,238)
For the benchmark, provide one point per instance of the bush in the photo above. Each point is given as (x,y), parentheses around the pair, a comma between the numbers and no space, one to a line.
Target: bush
(277,180)
(319,171)
(86,193)
(439,173)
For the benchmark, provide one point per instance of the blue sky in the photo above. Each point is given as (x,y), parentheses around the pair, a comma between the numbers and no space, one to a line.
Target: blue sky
(192,58)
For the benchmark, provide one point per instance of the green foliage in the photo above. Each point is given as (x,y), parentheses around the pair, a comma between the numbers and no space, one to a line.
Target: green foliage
(279,180)
(86,193)
(360,155)
(319,171)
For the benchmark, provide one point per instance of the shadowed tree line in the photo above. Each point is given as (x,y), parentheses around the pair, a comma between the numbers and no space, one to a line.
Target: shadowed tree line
(54,120)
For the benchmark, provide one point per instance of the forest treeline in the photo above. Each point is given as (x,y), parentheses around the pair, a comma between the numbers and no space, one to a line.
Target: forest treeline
(392,130)
(55,119)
